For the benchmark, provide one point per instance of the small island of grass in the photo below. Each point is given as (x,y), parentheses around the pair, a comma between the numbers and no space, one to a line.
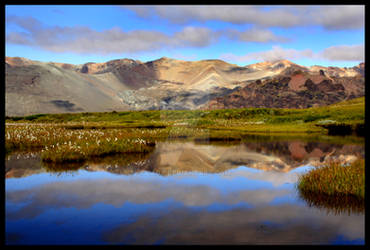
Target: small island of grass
(334,180)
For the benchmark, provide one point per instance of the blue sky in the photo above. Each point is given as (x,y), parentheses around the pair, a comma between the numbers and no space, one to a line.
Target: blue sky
(307,35)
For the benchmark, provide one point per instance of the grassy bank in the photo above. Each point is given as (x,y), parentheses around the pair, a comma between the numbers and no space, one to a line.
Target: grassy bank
(79,136)
(334,180)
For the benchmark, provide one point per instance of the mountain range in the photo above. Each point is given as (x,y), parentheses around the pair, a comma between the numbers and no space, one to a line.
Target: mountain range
(33,87)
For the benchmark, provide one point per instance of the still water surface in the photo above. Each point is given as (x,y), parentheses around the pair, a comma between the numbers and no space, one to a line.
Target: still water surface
(182,193)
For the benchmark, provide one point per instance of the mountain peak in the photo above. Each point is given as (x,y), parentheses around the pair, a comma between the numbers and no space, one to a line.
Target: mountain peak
(283,61)
(17,61)
(214,61)
(275,64)
(164,58)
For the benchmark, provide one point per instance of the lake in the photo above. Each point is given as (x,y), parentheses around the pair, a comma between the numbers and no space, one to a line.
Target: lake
(184,192)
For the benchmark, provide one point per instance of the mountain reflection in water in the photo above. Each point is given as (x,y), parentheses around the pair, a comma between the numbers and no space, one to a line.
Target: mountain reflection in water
(182,193)
(180,157)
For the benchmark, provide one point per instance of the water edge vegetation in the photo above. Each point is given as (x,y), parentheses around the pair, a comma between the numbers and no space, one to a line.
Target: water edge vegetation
(78,136)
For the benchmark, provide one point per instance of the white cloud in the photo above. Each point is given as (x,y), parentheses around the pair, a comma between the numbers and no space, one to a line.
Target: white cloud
(84,40)
(334,53)
(339,17)
(330,17)
(117,192)
(255,35)
(194,37)
(232,14)
(276,53)
(344,53)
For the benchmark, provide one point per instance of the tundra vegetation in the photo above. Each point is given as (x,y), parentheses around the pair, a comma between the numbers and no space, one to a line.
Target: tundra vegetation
(78,136)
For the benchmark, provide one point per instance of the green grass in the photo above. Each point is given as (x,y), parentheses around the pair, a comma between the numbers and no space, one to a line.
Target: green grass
(77,136)
(270,120)
(61,144)
(334,179)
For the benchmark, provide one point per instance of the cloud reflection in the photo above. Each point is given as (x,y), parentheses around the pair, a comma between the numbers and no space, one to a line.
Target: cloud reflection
(86,193)
(286,224)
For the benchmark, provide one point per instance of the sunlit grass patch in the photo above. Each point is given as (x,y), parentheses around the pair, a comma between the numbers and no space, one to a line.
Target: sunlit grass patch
(24,137)
(64,145)
(335,179)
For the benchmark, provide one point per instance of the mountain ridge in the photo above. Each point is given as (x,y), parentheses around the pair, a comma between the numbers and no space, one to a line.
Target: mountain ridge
(164,58)
(125,84)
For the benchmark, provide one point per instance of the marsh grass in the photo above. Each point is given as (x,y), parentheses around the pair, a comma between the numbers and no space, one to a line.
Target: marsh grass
(79,136)
(59,144)
(334,180)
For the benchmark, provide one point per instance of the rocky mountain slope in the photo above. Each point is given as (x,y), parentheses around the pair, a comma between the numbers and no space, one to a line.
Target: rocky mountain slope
(300,89)
(48,87)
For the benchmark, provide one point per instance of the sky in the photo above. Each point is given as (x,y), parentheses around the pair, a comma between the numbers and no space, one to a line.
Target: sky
(331,35)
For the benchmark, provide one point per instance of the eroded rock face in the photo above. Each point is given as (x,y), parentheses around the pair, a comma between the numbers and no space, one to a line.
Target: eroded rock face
(297,91)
